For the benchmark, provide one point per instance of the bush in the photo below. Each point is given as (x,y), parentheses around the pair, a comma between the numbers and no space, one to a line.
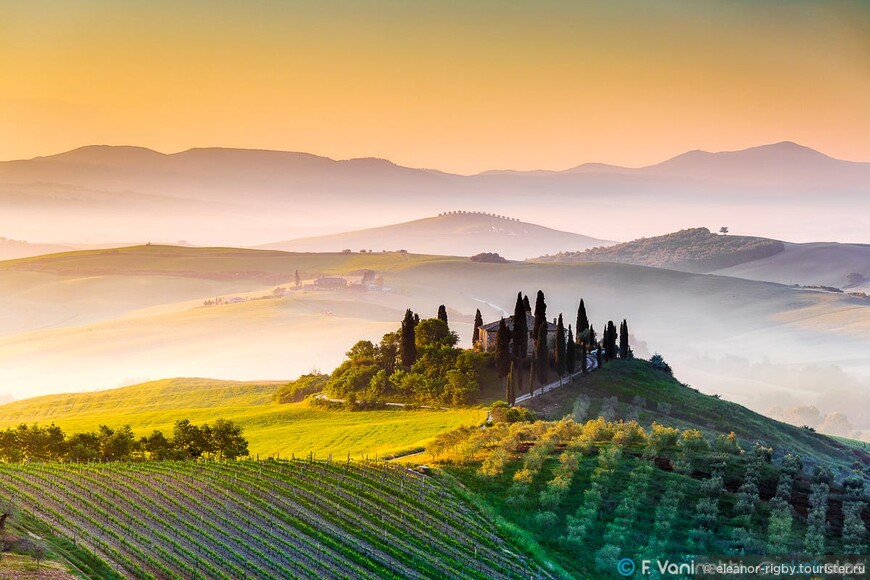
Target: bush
(728,444)
(692,440)
(659,363)
(295,391)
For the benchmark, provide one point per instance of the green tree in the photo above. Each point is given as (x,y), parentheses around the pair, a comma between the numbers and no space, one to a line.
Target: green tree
(570,353)
(502,349)
(478,322)
(520,338)
(157,446)
(591,338)
(189,439)
(434,332)
(624,348)
(584,362)
(227,440)
(408,343)
(442,314)
(542,356)
(582,322)
(540,316)
(561,349)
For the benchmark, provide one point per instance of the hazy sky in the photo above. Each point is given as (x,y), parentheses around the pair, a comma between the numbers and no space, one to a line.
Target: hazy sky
(461,86)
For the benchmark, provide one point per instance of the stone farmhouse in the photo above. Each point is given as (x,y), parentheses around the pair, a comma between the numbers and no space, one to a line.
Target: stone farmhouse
(488,332)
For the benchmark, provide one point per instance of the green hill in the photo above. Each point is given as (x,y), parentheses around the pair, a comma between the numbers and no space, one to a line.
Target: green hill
(691,250)
(588,491)
(294,428)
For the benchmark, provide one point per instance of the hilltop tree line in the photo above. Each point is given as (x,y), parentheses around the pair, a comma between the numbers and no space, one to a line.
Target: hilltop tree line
(223,439)
(567,354)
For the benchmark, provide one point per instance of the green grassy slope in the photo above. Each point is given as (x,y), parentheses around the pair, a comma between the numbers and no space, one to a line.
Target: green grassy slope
(294,428)
(648,395)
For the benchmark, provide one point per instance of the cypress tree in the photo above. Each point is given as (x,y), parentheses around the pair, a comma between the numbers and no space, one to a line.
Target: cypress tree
(598,358)
(540,315)
(610,347)
(584,363)
(582,321)
(526,304)
(510,394)
(520,337)
(478,322)
(591,338)
(561,349)
(442,314)
(542,355)
(502,349)
(624,348)
(408,343)
(570,353)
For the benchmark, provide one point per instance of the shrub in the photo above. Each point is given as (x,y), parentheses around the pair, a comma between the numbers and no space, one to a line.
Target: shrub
(692,440)
(659,363)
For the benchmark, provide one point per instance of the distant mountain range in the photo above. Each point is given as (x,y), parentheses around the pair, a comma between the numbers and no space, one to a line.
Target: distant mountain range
(245,197)
(454,234)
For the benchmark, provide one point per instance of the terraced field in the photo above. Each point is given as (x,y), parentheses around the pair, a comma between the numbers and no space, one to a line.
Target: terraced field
(269,519)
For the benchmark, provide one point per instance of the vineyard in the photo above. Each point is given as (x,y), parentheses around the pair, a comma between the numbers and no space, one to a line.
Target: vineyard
(263,519)
(592,493)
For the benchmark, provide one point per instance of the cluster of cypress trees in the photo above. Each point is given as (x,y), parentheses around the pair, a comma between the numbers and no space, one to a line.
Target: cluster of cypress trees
(511,345)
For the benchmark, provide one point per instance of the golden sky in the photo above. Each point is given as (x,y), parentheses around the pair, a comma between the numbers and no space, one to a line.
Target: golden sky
(461,86)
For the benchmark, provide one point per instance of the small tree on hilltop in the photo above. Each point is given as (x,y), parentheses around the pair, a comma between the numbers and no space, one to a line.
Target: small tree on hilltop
(442,314)
(540,315)
(478,322)
(624,348)
(723,230)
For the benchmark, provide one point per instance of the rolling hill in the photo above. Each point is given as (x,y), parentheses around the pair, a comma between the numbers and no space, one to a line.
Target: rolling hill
(248,197)
(699,250)
(452,234)
(271,519)
(271,429)
(812,344)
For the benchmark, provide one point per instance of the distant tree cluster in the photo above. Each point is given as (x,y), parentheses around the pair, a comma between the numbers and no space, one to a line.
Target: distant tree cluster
(692,250)
(295,391)
(478,213)
(223,439)
(419,362)
(490,257)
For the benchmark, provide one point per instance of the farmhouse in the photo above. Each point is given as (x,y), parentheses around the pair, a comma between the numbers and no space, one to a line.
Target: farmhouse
(488,332)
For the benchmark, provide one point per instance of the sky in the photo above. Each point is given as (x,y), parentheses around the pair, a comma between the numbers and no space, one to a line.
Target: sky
(461,86)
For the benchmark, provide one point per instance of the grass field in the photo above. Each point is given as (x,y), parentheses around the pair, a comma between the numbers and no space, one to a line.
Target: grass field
(294,428)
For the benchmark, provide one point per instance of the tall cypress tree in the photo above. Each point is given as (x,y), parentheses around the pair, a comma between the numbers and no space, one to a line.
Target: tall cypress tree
(590,338)
(560,348)
(526,304)
(520,338)
(570,353)
(584,362)
(502,349)
(540,315)
(582,321)
(442,314)
(510,393)
(623,340)
(598,358)
(478,322)
(408,344)
(542,355)
(610,343)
